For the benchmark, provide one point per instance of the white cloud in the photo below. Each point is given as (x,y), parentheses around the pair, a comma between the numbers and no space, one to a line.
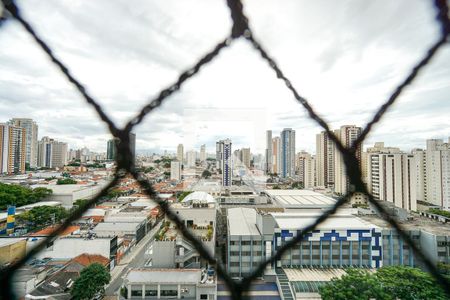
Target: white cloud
(344,57)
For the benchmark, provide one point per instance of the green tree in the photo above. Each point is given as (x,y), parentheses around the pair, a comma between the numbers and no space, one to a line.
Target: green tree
(356,284)
(66,181)
(80,203)
(13,194)
(92,281)
(149,170)
(206,174)
(388,283)
(41,192)
(444,268)
(440,212)
(408,283)
(297,185)
(183,195)
(114,193)
(41,216)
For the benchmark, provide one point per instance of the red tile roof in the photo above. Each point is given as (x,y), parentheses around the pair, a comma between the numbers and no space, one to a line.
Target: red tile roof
(87,259)
(50,229)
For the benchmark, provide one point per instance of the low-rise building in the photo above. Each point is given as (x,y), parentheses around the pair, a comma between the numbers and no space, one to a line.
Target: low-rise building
(12,249)
(170,249)
(59,284)
(71,246)
(134,230)
(189,284)
(67,194)
(342,240)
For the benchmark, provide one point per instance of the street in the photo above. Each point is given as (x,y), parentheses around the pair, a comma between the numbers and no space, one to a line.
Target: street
(134,259)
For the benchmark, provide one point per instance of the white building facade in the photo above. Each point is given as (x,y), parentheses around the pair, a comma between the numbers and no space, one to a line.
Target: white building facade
(51,153)
(175,170)
(392,178)
(306,169)
(438,173)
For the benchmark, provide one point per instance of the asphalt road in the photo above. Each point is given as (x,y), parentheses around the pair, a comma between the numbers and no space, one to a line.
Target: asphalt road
(134,259)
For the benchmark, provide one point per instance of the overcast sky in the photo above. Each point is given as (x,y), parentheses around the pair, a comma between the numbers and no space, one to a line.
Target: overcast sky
(345,57)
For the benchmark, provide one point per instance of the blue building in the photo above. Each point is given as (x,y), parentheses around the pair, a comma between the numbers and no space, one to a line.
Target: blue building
(343,240)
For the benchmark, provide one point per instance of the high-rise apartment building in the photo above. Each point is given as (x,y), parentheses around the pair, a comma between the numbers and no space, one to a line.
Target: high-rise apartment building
(202,153)
(437,182)
(133,147)
(268,154)
(31,138)
(190,158)
(224,156)
(71,155)
(245,157)
(276,155)
(175,170)
(51,153)
(392,177)
(347,134)
(324,160)
(287,152)
(180,153)
(420,166)
(218,155)
(111,149)
(306,169)
(12,149)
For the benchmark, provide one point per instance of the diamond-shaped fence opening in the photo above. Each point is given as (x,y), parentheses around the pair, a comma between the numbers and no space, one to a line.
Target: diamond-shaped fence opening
(239,30)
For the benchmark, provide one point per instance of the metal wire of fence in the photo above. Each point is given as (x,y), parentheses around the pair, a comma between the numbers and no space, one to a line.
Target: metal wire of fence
(240,29)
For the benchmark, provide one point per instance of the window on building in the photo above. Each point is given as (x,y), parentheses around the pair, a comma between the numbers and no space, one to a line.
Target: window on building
(136,293)
(168,293)
(204,296)
(151,293)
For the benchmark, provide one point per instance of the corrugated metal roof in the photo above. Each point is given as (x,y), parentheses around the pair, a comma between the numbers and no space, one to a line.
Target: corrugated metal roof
(300,198)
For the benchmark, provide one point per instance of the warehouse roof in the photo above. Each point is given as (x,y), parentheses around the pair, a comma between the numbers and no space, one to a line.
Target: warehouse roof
(299,220)
(300,199)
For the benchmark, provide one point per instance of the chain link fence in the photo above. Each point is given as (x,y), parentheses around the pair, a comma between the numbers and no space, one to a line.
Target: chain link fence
(240,30)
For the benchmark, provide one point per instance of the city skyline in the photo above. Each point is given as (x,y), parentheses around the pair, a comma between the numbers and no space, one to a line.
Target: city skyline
(215,150)
(210,147)
(358,72)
